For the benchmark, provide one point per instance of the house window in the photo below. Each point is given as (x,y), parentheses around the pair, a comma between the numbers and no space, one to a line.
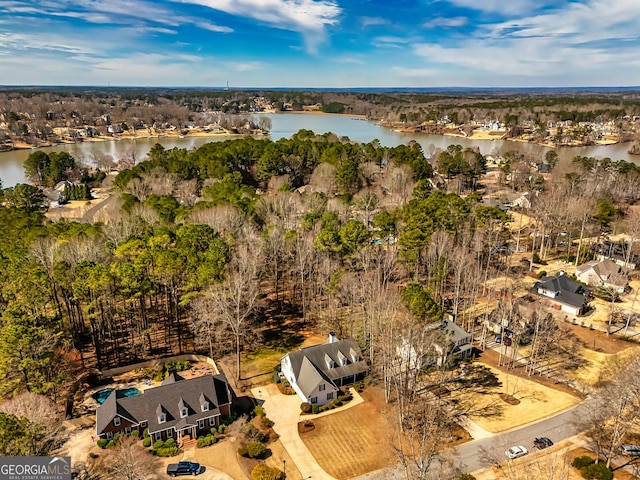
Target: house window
(321,387)
(201,424)
(314,400)
(162,418)
(109,435)
(184,412)
(330,396)
(170,433)
(212,421)
(127,431)
(205,406)
(143,423)
(116,422)
(158,436)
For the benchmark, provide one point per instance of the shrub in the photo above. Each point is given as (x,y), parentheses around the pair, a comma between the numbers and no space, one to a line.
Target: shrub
(206,440)
(256,450)
(597,471)
(536,258)
(221,428)
(170,442)
(266,422)
(145,433)
(102,442)
(135,433)
(243,452)
(261,437)
(146,443)
(305,407)
(541,273)
(158,444)
(581,462)
(337,402)
(258,411)
(466,476)
(263,472)
(315,409)
(167,451)
(111,444)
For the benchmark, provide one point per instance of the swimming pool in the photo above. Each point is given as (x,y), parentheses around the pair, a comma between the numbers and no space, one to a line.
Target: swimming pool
(101,395)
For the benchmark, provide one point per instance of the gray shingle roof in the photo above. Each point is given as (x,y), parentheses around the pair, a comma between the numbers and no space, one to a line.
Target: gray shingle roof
(168,398)
(311,364)
(567,290)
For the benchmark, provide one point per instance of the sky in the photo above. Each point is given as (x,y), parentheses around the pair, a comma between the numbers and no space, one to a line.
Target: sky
(320,43)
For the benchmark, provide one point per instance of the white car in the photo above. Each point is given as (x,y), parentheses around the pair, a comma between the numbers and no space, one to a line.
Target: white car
(516,452)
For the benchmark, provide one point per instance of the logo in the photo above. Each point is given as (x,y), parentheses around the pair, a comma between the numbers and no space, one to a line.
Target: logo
(35,468)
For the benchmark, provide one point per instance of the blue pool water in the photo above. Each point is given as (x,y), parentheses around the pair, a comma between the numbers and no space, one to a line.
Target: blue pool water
(101,395)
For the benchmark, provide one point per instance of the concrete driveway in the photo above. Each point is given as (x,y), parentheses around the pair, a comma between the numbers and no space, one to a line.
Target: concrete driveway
(284,410)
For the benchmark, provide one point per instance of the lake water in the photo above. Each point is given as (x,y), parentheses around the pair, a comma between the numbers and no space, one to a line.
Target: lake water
(284,125)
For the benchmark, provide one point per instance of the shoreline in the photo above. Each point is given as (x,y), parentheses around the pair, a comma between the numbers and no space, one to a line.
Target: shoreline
(476,136)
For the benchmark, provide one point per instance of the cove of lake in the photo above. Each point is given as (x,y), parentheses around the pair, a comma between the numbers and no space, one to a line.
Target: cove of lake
(284,125)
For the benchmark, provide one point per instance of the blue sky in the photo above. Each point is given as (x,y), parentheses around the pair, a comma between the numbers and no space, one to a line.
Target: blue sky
(320,43)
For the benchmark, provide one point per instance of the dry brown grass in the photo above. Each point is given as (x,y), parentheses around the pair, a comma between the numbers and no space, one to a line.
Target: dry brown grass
(353,442)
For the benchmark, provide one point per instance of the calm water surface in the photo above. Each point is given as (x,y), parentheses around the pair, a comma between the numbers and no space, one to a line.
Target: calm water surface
(284,125)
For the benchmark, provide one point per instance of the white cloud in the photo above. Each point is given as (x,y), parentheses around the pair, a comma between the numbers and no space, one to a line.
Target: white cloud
(450,22)
(373,21)
(505,7)
(308,17)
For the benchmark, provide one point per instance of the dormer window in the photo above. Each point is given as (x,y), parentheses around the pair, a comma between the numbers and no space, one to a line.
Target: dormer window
(354,356)
(184,412)
(162,418)
(204,403)
(342,358)
(116,422)
(329,361)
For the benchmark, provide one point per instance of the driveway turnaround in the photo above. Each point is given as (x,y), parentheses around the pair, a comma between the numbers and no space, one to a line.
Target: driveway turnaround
(284,411)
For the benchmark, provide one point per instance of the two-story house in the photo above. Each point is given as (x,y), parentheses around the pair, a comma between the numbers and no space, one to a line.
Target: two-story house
(603,274)
(316,373)
(179,408)
(563,293)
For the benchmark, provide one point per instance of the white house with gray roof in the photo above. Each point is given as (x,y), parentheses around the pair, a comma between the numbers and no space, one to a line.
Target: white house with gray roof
(316,373)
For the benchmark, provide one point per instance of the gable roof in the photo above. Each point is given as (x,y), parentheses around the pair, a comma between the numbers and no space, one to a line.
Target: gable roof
(309,365)
(169,398)
(567,290)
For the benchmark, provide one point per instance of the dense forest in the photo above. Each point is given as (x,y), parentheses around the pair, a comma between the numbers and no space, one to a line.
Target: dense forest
(209,247)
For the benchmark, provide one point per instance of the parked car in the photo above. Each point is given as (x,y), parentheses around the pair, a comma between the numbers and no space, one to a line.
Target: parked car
(630,450)
(516,452)
(184,468)
(542,442)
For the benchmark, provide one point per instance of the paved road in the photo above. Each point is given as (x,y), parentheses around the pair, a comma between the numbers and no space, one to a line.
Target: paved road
(479,454)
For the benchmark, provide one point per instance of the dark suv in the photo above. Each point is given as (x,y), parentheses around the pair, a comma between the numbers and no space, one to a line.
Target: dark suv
(184,468)
(542,442)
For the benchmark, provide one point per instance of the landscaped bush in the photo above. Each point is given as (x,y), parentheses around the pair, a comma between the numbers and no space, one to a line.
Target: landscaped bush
(111,444)
(266,422)
(228,420)
(158,444)
(170,442)
(206,440)
(146,443)
(466,476)
(315,409)
(258,411)
(243,451)
(167,451)
(263,472)
(305,407)
(256,450)
(135,433)
(145,433)
(102,442)
(541,273)
(597,471)
(583,461)
(221,428)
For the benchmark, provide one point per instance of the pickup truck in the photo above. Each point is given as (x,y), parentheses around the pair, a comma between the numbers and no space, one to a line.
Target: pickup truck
(184,468)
